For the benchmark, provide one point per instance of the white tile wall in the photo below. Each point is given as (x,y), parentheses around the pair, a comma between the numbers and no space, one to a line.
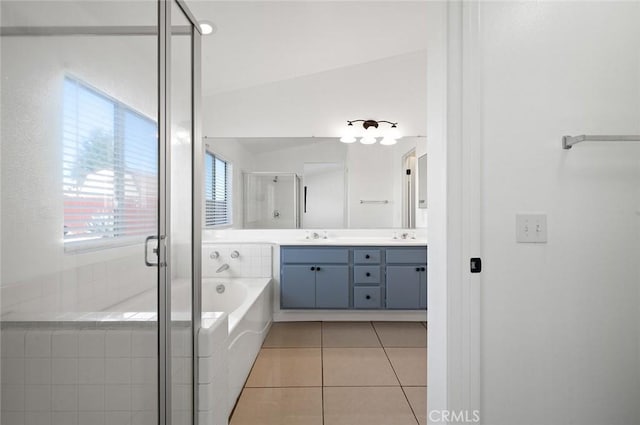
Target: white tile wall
(80,376)
(255,260)
(88,287)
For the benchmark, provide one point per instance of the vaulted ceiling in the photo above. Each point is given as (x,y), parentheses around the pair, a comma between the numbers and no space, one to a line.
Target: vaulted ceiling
(260,42)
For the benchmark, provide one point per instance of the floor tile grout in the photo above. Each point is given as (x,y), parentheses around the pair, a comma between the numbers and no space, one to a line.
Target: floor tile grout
(397,377)
(322,386)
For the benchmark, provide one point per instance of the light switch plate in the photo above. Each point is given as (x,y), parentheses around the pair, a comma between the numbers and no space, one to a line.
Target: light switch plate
(531,228)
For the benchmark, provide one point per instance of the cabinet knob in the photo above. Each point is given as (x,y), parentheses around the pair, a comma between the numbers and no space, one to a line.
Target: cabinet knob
(317,269)
(368,297)
(367,256)
(368,274)
(424,269)
(313,269)
(417,269)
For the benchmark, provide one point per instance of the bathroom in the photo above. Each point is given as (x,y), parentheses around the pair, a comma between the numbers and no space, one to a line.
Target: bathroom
(222,212)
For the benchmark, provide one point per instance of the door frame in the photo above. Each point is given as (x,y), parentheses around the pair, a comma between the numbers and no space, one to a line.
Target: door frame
(165,33)
(454,132)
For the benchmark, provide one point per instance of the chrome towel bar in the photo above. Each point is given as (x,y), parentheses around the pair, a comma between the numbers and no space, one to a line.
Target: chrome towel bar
(569,141)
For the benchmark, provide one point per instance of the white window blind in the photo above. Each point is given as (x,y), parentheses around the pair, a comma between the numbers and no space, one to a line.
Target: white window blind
(218,198)
(110,168)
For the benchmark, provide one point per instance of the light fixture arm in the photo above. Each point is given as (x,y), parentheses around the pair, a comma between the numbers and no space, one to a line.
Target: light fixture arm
(372,123)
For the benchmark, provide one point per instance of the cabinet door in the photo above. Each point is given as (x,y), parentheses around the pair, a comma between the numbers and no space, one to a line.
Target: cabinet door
(297,286)
(332,286)
(423,288)
(403,287)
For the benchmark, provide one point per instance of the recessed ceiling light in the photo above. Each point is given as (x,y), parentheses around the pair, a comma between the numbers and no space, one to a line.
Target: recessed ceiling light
(207,27)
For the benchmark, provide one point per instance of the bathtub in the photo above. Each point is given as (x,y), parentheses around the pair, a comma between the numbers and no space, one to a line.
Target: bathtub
(247,303)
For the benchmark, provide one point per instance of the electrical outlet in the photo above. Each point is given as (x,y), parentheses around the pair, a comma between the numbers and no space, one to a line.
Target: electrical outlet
(531,228)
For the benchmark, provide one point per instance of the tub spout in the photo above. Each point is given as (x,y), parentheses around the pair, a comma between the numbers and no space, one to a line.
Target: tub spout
(222,268)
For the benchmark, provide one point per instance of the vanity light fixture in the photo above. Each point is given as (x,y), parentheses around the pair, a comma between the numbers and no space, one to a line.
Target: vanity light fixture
(371,132)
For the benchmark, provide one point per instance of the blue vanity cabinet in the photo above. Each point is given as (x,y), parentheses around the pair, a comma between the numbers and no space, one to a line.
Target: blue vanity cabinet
(368,278)
(314,278)
(332,286)
(406,278)
(298,286)
(339,277)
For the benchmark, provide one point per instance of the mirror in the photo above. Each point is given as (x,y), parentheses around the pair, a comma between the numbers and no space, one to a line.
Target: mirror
(422,185)
(321,183)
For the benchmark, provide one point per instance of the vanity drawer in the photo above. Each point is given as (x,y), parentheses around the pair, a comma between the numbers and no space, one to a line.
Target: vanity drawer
(315,255)
(366,256)
(367,297)
(407,255)
(366,274)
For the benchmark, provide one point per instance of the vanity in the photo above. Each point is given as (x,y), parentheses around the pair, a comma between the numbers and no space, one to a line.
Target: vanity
(353,277)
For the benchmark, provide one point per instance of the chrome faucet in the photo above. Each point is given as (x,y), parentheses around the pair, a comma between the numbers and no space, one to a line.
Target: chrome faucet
(315,235)
(222,268)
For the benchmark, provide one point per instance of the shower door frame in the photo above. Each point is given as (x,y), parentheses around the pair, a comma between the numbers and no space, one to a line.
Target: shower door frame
(165,32)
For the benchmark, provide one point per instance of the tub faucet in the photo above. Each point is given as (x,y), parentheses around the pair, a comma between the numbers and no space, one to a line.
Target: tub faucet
(222,268)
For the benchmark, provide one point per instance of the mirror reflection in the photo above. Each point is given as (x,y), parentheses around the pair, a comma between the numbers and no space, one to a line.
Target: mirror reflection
(313,183)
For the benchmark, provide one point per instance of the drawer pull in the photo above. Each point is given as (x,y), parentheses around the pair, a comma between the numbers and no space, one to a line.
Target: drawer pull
(367,256)
(368,297)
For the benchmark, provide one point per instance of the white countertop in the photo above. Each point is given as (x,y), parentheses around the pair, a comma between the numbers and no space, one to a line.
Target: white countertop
(335,237)
(354,241)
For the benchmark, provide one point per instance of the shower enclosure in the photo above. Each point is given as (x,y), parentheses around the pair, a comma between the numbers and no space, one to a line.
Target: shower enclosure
(99,106)
(271,200)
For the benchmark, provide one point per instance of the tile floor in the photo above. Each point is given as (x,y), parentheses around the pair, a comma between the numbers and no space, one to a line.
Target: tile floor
(338,373)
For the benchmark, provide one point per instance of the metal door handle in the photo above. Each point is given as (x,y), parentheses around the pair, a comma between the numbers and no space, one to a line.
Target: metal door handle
(155,250)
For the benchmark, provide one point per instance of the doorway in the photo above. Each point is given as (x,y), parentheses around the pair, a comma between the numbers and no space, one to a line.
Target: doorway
(409,190)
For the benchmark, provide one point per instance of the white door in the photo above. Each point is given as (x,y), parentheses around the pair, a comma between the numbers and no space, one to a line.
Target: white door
(323,195)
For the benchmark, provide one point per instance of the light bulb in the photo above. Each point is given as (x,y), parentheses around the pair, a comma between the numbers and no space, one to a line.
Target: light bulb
(388,141)
(207,27)
(368,140)
(349,134)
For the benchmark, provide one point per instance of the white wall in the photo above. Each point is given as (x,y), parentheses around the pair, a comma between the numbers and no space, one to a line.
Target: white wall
(561,320)
(320,104)
(37,275)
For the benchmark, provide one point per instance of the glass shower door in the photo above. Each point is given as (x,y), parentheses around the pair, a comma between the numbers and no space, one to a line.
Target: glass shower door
(80,188)
(271,200)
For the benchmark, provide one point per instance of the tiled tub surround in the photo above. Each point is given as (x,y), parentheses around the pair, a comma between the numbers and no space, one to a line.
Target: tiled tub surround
(247,304)
(86,282)
(89,373)
(253,260)
(77,368)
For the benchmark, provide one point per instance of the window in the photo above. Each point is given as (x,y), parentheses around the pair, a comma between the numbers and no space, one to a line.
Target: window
(110,169)
(217,191)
